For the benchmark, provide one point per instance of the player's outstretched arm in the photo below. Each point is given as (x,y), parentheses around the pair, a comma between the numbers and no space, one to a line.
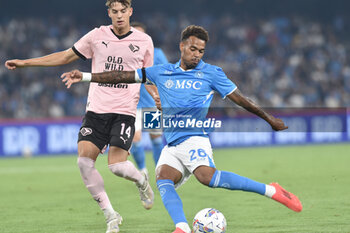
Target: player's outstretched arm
(112,77)
(237,97)
(54,59)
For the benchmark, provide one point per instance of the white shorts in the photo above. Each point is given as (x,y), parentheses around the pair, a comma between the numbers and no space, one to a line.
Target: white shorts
(138,122)
(187,156)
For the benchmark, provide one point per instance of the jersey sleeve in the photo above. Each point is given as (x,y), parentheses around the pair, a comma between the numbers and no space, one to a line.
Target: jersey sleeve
(83,46)
(151,74)
(221,83)
(149,55)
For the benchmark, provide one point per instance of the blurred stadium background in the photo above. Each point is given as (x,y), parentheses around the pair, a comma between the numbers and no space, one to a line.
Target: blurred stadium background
(284,54)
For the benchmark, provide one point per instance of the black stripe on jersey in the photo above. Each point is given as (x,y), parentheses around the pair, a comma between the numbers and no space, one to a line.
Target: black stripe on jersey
(123,36)
(78,53)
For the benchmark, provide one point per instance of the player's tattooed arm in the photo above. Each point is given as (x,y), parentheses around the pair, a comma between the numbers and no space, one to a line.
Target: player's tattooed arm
(237,97)
(113,77)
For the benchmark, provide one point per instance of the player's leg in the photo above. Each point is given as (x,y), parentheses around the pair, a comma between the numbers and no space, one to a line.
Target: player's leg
(90,144)
(157,146)
(169,172)
(222,179)
(138,152)
(122,132)
(120,166)
(88,153)
(137,149)
(201,163)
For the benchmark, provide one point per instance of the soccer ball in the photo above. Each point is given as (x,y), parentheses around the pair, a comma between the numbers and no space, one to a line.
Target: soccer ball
(209,220)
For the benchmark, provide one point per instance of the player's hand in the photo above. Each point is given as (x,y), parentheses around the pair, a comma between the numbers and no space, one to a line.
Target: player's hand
(13,64)
(71,77)
(277,124)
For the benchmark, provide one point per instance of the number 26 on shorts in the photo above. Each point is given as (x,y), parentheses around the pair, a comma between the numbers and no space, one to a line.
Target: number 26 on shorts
(199,153)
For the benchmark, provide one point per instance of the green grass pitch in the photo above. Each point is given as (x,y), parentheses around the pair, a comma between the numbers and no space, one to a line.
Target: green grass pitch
(47,195)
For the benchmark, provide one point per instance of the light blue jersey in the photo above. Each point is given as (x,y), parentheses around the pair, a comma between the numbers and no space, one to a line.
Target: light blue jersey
(146,100)
(186,94)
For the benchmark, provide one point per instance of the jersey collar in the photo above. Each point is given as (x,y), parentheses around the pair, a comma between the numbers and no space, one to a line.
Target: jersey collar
(122,36)
(198,67)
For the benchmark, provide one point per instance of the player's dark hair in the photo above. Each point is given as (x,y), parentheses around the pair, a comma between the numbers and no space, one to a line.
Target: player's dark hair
(138,24)
(196,31)
(126,3)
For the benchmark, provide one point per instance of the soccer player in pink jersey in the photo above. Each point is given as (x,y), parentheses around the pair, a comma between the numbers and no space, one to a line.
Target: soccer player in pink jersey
(111,109)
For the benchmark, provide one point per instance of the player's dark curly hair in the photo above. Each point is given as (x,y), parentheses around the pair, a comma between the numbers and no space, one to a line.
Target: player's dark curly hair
(126,3)
(196,31)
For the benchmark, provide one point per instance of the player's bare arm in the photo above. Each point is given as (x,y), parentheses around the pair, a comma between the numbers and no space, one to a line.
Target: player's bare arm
(54,59)
(237,97)
(153,91)
(113,77)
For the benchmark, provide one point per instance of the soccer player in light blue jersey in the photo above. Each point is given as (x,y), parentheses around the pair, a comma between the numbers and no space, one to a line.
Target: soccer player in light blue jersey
(187,87)
(146,101)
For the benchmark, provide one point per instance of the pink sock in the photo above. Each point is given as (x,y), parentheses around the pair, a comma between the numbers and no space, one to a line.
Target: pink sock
(127,170)
(93,181)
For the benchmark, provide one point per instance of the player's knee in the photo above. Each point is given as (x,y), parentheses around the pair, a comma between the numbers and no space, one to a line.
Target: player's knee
(119,169)
(166,172)
(83,153)
(85,165)
(88,149)
(160,175)
(204,179)
(204,174)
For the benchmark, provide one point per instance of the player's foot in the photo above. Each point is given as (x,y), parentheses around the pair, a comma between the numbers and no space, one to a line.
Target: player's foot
(179,230)
(144,171)
(286,198)
(146,193)
(182,227)
(113,223)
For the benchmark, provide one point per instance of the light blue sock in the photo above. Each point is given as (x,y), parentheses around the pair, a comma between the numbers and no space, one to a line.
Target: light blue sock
(171,200)
(232,181)
(157,147)
(138,153)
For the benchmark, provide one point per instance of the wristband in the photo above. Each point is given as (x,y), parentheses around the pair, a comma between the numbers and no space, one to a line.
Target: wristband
(137,77)
(144,79)
(86,77)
